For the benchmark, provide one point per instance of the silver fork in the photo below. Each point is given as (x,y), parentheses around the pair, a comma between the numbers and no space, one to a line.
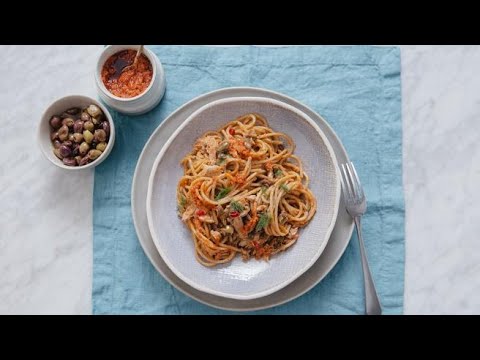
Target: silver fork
(356,204)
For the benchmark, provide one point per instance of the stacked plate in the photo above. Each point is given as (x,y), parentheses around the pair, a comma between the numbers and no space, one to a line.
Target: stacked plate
(240,285)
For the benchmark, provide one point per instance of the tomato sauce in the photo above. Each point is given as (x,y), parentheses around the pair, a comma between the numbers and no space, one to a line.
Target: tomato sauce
(128,83)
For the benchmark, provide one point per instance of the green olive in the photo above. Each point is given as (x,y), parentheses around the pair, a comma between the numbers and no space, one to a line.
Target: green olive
(78,138)
(85,160)
(85,116)
(83,149)
(100,135)
(78,159)
(88,125)
(93,154)
(88,136)
(68,121)
(101,146)
(94,110)
(57,153)
(63,133)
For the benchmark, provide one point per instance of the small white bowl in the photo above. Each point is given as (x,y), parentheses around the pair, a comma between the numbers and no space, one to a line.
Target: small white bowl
(139,104)
(57,108)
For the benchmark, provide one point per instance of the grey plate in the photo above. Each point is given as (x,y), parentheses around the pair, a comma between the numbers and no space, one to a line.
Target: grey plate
(338,240)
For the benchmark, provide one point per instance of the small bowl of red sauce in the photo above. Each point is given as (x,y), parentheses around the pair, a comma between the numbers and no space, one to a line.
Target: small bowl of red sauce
(134,90)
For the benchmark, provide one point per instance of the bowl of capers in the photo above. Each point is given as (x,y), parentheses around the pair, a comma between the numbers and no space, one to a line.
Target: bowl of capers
(76,132)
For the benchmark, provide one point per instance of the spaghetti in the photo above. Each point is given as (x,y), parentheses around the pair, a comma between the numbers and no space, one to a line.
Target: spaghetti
(243,191)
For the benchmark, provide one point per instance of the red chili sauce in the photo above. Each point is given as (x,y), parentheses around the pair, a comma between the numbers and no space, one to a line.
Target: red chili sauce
(131,82)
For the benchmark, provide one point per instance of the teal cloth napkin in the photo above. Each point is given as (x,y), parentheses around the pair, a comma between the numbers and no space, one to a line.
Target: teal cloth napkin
(357,89)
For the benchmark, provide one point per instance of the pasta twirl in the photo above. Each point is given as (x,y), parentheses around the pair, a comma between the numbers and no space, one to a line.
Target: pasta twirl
(243,191)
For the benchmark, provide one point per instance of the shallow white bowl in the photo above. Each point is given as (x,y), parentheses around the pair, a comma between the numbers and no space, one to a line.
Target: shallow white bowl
(238,279)
(58,107)
(141,103)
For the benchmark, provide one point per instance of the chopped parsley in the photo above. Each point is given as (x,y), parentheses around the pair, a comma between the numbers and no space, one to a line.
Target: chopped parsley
(264,189)
(284,188)
(222,157)
(223,146)
(224,192)
(182,203)
(262,222)
(236,206)
(278,173)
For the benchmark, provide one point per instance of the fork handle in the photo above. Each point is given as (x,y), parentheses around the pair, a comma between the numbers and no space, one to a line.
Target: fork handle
(372,304)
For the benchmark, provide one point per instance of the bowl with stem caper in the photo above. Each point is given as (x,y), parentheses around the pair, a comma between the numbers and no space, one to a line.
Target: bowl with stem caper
(76,132)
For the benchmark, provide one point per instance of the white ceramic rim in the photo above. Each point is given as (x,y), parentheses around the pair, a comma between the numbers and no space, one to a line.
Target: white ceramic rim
(98,78)
(273,289)
(95,162)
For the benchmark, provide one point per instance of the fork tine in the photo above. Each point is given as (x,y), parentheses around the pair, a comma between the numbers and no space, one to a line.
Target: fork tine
(344,190)
(348,190)
(352,181)
(357,178)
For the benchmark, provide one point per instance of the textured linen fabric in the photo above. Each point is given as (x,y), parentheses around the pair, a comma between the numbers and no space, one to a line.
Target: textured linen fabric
(356,89)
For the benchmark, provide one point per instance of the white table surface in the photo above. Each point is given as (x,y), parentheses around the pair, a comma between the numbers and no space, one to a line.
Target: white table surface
(46,213)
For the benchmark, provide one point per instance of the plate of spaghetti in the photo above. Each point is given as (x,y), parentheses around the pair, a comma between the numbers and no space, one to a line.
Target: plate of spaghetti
(243,197)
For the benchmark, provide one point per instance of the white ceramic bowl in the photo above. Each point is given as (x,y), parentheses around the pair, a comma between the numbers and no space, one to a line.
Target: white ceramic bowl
(139,104)
(58,107)
(238,279)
